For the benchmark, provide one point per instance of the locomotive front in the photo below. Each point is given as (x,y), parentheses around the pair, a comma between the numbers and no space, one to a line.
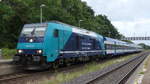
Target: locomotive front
(31,45)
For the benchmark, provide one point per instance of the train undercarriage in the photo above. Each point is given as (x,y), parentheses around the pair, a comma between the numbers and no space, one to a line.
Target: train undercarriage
(38,62)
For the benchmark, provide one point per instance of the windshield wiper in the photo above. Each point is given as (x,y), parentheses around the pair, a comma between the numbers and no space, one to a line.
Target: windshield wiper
(33,32)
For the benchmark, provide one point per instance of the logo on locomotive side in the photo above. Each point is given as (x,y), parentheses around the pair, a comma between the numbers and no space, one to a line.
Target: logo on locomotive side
(30,46)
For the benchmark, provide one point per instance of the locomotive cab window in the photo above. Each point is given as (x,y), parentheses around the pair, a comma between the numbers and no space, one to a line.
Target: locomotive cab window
(56,33)
(33,31)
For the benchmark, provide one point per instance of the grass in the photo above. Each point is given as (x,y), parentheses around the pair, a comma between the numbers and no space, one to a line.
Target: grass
(146,63)
(141,72)
(61,77)
(8,53)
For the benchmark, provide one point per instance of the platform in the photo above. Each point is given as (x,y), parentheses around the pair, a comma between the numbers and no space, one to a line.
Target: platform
(146,72)
(141,74)
(8,61)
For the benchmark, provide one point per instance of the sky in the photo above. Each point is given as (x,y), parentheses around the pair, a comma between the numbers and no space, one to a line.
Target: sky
(130,17)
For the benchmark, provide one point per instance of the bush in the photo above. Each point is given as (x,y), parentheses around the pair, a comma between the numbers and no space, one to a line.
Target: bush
(8,53)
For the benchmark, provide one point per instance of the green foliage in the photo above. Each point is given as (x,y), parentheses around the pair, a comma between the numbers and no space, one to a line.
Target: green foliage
(141,72)
(129,41)
(15,13)
(8,53)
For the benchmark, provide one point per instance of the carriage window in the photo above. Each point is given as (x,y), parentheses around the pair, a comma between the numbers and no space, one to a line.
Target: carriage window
(56,33)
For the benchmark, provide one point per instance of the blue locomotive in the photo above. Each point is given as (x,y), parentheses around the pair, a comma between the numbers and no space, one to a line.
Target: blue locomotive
(55,43)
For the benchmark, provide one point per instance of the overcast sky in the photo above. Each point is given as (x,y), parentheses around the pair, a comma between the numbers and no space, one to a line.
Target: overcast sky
(130,17)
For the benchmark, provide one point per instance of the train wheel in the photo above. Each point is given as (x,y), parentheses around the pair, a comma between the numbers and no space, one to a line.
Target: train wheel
(67,62)
(45,66)
(61,62)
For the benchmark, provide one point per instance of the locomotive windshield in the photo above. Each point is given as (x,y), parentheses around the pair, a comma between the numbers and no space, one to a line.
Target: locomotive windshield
(34,31)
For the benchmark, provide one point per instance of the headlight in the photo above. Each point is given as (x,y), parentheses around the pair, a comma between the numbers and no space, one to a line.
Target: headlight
(31,40)
(39,51)
(20,51)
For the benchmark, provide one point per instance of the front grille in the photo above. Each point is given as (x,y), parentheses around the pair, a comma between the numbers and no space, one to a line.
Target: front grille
(30,51)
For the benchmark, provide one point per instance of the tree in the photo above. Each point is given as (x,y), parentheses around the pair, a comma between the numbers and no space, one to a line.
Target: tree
(15,13)
(127,41)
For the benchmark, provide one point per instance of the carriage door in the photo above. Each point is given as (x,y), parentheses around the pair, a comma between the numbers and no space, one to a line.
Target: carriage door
(59,34)
(56,35)
(61,39)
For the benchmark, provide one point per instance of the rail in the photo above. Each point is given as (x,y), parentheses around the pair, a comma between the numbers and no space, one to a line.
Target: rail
(114,74)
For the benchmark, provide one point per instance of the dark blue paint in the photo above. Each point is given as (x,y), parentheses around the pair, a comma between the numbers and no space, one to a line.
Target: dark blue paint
(74,45)
(35,39)
(29,51)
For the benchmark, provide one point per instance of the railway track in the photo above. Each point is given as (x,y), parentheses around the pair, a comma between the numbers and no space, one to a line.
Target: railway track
(95,78)
(115,74)
(5,79)
(13,76)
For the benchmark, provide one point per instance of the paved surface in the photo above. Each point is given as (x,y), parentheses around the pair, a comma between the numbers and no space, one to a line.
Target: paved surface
(142,73)
(7,67)
(136,77)
(146,78)
(5,61)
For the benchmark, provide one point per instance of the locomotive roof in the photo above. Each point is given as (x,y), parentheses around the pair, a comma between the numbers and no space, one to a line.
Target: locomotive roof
(75,29)
(81,30)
